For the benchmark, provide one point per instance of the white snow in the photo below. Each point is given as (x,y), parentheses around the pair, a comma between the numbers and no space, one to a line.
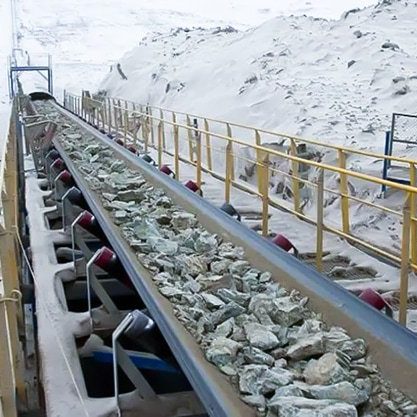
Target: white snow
(290,74)
(86,36)
(295,75)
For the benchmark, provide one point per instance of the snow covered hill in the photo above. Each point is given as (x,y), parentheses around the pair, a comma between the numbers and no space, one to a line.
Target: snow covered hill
(337,81)
(86,36)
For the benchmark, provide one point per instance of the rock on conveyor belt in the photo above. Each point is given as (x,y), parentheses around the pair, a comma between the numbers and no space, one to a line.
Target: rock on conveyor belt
(279,355)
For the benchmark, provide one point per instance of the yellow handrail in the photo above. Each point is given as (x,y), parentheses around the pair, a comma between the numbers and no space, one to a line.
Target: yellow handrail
(198,139)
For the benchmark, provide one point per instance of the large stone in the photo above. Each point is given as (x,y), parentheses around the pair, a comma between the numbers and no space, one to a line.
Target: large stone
(183,220)
(335,338)
(220,267)
(212,302)
(231,295)
(303,407)
(275,378)
(256,356)
(222,351)
(325,371)
(306,348)
(257,401)
(343,391)
(229,251)
(286,311)
(222,314)
(260,336)
(226,328)
(251,378)
(206,242)
(214,282)
(355,349)
(192,265)
(164,246)
(130,195)
(145,229)
(288,391)
(239,267)
(283,310)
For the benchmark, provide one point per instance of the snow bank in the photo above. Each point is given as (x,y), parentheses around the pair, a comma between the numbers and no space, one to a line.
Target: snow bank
(337,81)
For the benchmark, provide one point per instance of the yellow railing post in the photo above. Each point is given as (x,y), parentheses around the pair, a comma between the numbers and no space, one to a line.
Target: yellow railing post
(405,261)
(208,145)
(104,115)
(320,221)
(159,145)
(120,113)
(125,127)
(150,120)
(232,162)
(116,121)
(145,132)
(135,127)
(176,148)
(198,173)
(161,116)
(344,192)
(190,139)
(109,112)
(9,258)
(7,383)
(294,176)
(264,181)
(413,211)
(258,158)
(228,177)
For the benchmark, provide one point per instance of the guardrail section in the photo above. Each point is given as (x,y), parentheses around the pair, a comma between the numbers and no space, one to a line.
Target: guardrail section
(305,177)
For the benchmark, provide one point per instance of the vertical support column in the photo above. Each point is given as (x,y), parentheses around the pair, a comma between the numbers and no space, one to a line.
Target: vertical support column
(159,145)
(190,139)
(125,127)
(405,261)
(264,181)
(320,221)
(176,147)
(9,258)
(344,192)
(198,173)
(150,124)
(295,171)
(109,112)
(161,116)
(208,145)
(258,159)
(105,120)
(413,215)
(228,179)
(7,386)
(145,131)
(116,121)
(135,127)
(232,168)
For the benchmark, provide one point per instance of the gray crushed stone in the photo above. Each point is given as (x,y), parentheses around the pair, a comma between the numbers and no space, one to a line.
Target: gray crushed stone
(280,356)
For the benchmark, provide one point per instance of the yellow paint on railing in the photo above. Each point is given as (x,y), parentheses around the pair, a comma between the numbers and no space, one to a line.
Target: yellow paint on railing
(264,156)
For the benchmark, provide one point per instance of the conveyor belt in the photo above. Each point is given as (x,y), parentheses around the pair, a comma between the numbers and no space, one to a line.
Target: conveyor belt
(392,347)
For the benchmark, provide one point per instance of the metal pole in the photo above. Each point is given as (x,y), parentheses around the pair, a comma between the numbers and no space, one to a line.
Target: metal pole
(405,261)
(320,226)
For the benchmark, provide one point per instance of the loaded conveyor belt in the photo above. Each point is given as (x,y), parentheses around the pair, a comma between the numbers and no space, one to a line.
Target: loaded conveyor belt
(392,347)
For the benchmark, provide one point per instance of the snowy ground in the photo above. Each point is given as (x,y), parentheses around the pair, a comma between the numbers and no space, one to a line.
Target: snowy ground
(336,81)
(86,36)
